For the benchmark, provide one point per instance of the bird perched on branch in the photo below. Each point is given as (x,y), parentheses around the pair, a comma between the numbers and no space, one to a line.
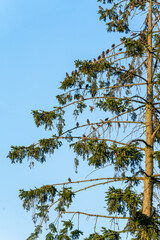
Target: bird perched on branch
(91,108)
(69,180)
(88,121)
(103,54)
(93,128)
(67,75)
(101,8)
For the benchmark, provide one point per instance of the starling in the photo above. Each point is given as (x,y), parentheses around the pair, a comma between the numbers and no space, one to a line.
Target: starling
(87,86)
(120,49)
(103,54)
(120,12)
(91,108)
(119,124)
(88,121)
(94,60)
(77,124)
(106,119)
(113,45)
(107,51)
(67,75)
(84,135)
(69,180)
(90,61)
(101,8)
(93,128)
(99,57)
(123,67)
(72,72)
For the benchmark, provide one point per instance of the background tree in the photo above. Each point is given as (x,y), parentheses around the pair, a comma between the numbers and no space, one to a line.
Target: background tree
(119,91)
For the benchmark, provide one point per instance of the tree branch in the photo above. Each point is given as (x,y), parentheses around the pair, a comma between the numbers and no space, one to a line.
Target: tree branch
(94,215)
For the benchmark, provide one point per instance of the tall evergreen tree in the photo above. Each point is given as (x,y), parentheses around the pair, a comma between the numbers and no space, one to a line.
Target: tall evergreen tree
(122,85)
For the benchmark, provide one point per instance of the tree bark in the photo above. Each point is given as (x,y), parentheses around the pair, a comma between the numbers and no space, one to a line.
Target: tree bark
(148,184)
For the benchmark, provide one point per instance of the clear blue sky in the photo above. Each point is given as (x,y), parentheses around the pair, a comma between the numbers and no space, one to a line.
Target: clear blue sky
(39,41)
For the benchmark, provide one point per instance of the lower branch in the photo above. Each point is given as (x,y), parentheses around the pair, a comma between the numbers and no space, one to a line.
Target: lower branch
(93,215)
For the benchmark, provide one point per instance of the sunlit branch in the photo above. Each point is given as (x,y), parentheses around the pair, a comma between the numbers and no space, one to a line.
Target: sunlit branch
(93,215)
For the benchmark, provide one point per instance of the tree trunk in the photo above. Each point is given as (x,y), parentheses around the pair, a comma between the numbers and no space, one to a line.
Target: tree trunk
(148,185)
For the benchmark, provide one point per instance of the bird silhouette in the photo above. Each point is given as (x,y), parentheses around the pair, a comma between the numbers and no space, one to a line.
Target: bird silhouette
(101,8)
(67,75)
(88,121)
(69,180)
(103,54)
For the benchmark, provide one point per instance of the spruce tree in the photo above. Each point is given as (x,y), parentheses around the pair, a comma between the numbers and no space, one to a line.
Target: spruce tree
(117,94)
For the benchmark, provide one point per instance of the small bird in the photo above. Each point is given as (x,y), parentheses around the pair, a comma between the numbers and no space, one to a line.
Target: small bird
(88,121)
(90,61)
(103,54)
(120,49)
(77,124)
(106,119)
(101,8)
(87,85)
(94,60)
(107,51)
(84,135)
(99,57)
(72,72)
(69,180)
(113,45)
(67,75)
(93,128)
(123,67)
(120,12)
(91,108)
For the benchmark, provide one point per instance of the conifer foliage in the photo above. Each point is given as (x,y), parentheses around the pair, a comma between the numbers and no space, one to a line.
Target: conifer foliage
(122,85)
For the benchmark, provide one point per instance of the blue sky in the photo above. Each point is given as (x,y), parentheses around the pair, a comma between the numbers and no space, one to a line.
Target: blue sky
(39,41)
